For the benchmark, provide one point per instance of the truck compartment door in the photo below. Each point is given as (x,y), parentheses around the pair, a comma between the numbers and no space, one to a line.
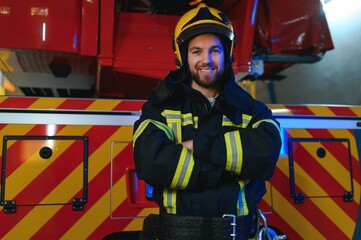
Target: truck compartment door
(36,170)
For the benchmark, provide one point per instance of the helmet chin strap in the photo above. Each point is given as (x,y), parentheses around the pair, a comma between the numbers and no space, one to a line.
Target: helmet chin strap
(195,2)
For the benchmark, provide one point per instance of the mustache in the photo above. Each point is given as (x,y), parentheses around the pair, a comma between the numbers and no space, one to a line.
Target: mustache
(206,65)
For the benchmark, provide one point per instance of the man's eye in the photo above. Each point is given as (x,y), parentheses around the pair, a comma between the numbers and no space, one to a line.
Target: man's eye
(216,51)
(196,52)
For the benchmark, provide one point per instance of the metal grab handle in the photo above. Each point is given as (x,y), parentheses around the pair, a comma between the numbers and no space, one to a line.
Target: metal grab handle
(263,233)
(234,224)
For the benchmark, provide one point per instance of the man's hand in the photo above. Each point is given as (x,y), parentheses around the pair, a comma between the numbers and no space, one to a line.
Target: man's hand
(188,144)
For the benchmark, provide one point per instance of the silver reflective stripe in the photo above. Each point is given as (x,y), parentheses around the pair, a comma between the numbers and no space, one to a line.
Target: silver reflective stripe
(184,169)
(268,121)
(169,200)
(246,119)
(173,119)
(187,119)
(234,152)
(177,131)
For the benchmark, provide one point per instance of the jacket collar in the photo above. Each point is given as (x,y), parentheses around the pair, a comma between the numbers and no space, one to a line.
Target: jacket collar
(233,99)
(168,86)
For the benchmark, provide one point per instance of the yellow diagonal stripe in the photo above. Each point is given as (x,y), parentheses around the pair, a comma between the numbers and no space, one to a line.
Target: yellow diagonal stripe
(136,223)
(47,103)
(356,111)
(98,213)
(2,98)
(15,129)
(294,217)
(320,110)
(103,104)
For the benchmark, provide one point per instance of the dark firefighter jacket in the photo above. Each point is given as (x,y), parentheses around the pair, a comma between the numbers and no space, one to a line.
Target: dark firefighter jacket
(236,146)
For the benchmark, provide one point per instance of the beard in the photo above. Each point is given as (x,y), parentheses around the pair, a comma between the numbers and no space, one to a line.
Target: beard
(208,81)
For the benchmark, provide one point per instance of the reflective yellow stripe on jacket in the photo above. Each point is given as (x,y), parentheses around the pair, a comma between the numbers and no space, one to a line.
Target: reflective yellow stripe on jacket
(234,144)
(175,121)
(159,125)
(245,121)
(235,155)
(266,120)
(235,158)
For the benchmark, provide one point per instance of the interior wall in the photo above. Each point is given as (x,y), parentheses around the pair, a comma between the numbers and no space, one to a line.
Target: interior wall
(336,79)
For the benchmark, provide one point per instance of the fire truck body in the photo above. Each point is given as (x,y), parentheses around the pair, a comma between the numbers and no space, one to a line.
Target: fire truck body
(68,171)
(67,164)
(124,49)
(316,186)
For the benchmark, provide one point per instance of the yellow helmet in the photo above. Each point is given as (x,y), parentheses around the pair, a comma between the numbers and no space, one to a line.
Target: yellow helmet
(199,20)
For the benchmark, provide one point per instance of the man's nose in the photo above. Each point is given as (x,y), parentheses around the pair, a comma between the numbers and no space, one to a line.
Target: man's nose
(206,57)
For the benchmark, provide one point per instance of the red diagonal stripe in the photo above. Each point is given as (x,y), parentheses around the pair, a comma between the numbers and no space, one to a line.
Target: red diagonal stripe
(342,111)
(14,102)
(78,104)
(129,105)
(300,110)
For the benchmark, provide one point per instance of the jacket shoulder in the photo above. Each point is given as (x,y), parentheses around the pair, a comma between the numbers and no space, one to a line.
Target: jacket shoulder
(166,88)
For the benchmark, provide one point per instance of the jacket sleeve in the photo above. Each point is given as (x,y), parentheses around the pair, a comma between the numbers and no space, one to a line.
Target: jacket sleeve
(163,163)
(249,153)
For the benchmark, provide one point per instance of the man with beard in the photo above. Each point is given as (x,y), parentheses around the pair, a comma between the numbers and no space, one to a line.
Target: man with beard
(204,144)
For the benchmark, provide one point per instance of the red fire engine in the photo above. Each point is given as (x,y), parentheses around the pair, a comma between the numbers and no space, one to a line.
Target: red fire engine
(67,164)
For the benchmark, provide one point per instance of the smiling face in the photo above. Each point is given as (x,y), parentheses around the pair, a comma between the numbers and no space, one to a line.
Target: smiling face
(206,63)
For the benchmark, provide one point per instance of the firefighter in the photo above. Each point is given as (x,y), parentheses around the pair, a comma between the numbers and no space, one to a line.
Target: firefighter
(204,144)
